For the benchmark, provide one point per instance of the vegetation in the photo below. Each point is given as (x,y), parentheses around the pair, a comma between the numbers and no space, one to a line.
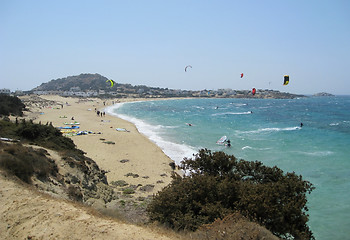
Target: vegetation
(233,226)
(43,135)
(25,162)
(10,106)
(218,184)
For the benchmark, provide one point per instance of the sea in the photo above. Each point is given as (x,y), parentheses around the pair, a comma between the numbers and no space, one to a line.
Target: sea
(267,130)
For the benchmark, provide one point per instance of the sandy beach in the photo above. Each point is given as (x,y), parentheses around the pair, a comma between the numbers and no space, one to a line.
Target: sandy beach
(124,155)
(28,214)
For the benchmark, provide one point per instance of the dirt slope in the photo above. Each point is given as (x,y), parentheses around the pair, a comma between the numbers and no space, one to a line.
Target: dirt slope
(27,214)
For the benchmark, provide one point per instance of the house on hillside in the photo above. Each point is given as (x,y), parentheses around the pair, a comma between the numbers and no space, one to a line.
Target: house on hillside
(75,89)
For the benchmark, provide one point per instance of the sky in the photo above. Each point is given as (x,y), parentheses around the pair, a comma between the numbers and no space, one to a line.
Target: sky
(150,42)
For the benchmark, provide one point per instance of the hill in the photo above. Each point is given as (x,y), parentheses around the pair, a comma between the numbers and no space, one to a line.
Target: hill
(84,81)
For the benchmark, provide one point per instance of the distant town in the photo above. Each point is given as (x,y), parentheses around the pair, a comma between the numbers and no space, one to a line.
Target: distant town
(159,93)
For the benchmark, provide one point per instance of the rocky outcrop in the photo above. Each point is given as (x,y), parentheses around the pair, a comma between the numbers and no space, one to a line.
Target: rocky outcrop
(79,178)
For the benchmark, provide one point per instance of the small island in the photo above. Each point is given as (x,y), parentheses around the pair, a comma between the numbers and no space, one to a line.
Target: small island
(323,94)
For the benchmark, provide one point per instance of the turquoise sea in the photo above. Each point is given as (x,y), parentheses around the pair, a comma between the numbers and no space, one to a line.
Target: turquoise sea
(267,130)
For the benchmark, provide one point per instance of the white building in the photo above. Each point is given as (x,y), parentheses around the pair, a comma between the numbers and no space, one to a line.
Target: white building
(74,89)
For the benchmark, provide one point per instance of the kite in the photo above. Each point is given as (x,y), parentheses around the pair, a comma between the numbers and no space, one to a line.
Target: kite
(112,82)
(241,75)
(187,67)
(286,80)
(253,91)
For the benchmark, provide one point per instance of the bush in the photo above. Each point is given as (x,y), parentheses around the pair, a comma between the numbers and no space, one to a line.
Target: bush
(219,184)
(75,193)
(24,162)
(233,226)
(10,105)
(127,191)
(43,135)
(15,166)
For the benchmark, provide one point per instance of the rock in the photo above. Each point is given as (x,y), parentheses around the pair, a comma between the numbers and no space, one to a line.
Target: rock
(97,204)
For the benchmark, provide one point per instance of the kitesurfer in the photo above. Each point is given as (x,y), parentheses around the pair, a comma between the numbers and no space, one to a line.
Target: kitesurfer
(228,143)
(301,124)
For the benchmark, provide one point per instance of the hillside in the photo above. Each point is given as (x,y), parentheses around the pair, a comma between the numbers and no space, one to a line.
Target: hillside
(27,214)
(84,81)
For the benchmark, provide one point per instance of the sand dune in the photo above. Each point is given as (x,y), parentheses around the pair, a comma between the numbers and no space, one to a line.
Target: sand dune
(26,214)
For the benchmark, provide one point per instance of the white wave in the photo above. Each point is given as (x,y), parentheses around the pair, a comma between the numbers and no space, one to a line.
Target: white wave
(317,153)
(239,104)
(246,147)
(334,124)
(231,113)
(169,127)
(174,151)
(261,130)
(249,147)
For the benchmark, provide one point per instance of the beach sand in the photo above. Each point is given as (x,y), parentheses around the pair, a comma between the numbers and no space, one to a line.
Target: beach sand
(133,158)
(27,214)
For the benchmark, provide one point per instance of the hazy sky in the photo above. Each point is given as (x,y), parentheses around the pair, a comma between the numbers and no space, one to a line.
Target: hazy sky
(149,42)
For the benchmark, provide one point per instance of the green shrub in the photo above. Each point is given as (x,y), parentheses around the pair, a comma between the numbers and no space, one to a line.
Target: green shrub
(219,184)
(16,166)
(25,162)
(233,226)
(10,106)
(43,135)
(128,191)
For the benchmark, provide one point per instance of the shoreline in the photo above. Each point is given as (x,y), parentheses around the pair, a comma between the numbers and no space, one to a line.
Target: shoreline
(132,157)
(175,151)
